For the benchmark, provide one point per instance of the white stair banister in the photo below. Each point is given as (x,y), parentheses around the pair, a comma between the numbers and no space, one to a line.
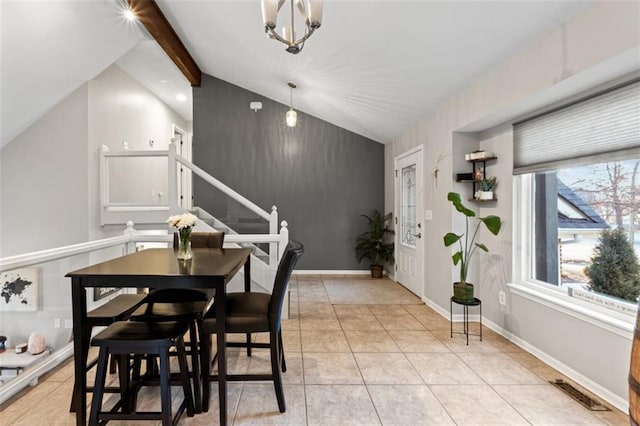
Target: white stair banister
(222,187)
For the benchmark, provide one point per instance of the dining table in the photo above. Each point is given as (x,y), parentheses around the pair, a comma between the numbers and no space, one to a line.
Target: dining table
(156,268)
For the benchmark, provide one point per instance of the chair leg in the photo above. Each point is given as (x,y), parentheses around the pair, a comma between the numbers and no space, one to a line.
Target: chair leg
(275,370)
(98,389)
(184,373)
(195,366)
(123,373)
(248,344)
(205,369)
(165,388)
(284,362)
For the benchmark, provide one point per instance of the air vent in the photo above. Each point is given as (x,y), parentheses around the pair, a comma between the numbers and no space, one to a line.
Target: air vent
(583,399)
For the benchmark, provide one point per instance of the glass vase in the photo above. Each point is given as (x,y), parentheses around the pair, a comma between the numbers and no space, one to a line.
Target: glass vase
(184,244)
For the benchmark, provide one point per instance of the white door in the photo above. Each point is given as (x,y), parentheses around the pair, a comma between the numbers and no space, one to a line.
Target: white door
(409,247)
(183,148)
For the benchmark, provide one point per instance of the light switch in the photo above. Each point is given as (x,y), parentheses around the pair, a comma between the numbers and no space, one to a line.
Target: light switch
(428,215)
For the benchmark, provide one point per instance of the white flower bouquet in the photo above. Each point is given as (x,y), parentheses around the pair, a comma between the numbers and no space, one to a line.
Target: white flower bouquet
(184,223)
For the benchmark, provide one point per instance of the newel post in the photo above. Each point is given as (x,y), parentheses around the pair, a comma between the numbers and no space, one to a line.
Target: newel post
(284,239)
(273,247)
(129,231)
(172,175)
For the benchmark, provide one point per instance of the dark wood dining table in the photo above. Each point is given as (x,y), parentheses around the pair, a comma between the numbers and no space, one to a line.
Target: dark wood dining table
(156,268)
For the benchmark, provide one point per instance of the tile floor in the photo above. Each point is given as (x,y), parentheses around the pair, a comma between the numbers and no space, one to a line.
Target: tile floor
(364,352)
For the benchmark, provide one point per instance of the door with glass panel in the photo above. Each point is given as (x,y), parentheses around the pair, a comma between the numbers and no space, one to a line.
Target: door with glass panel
(409,220)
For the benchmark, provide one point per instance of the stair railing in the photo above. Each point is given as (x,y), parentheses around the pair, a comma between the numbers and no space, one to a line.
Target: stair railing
(174,202)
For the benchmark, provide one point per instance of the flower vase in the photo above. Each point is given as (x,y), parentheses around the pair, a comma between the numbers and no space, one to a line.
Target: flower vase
(184,243)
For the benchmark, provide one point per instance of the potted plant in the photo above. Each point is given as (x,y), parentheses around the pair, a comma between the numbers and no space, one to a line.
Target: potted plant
(462,290)
(373,244)
(486,189)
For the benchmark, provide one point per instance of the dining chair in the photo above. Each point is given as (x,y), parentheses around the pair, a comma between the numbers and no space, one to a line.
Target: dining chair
(119,308)
(253,312)
(170,304)
(126,338)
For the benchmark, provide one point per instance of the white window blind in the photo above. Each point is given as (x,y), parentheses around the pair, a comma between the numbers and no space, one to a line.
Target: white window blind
(603,126)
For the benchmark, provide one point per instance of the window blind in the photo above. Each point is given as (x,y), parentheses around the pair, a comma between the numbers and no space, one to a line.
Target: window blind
(605,126)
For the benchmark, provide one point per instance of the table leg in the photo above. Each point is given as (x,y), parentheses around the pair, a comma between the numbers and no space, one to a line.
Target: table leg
(451,316)
(80,350)
(222,354)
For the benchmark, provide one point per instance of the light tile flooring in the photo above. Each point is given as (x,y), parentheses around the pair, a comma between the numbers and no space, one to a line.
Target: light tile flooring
(365,352)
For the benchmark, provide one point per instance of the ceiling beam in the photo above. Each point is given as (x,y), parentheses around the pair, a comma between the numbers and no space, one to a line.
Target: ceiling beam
(149,14)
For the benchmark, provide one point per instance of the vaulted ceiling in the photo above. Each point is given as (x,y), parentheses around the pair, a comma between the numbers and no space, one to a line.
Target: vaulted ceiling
(374,67)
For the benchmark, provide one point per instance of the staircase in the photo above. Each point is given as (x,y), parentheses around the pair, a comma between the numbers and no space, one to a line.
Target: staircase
(268,246)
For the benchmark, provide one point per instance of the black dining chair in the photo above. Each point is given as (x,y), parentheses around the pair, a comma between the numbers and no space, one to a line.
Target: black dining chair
(253,312)
(119,308)
(170,304)
(126,338)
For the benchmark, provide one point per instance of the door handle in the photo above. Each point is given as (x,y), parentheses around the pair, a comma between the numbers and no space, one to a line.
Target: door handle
(418,235)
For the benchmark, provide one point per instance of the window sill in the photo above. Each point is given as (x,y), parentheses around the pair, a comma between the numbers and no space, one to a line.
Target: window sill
(614,322)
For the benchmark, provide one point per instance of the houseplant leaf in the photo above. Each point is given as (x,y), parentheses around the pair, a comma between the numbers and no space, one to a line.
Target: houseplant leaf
(454,197)
(482,247)
(451,238)
(493,223)
(457,257)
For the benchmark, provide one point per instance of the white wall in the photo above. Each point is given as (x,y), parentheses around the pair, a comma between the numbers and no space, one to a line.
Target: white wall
(121,109)
(49,185)
(599,44)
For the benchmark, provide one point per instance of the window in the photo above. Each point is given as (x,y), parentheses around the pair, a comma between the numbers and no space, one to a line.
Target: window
(578,170)
(585,215)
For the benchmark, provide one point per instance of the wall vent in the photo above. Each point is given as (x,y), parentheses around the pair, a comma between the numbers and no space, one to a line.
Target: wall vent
(579,396)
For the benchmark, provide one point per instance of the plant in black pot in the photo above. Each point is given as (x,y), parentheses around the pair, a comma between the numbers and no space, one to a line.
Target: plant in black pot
(463,290)
(373,244)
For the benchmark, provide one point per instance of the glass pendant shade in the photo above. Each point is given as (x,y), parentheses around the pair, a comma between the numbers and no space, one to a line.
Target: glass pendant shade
(291,118)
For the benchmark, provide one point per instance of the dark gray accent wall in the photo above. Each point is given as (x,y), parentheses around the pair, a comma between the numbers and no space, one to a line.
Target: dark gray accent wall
(320,176)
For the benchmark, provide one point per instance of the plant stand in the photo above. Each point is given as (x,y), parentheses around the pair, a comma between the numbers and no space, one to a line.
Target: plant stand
(465,316)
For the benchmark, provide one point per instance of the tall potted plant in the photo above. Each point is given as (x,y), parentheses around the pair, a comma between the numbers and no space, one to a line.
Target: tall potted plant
(373,244)
(462,290)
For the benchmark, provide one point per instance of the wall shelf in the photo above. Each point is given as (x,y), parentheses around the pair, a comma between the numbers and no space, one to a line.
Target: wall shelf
(475,166)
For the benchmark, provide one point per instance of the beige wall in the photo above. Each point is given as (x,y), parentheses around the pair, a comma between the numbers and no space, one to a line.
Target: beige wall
(599,44)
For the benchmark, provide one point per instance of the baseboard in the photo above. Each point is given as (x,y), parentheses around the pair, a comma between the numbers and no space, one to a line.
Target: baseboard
(333,272)
(602,392)
(32,374)
(456,318)
(613,399)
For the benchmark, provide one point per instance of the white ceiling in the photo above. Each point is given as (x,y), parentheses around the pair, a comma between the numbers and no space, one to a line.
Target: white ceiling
(374,67)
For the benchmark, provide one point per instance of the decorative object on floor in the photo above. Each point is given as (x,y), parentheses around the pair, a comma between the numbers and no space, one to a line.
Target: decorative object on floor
(19,290)
(291,117)
(184,223)
(463,290)
(310,11)
(373,244)
(465,316)
(36,343)
(486,189)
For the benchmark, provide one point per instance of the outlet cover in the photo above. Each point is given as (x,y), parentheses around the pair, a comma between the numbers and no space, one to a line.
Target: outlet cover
(502,298)
(68,323)
(56,323)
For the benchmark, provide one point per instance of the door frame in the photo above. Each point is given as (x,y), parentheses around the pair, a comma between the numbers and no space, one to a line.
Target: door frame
(419,215)
(185,183)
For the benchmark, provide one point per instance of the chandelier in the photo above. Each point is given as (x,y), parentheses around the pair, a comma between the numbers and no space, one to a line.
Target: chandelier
(309,10)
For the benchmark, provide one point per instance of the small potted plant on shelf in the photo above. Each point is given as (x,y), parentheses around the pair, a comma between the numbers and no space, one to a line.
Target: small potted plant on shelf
(462,290)
(373,243)
(486,189)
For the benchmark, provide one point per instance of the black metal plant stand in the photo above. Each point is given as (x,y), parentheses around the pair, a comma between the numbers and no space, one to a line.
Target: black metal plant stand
(465,315)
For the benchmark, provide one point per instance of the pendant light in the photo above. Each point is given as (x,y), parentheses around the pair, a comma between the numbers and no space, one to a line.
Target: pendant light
(292,116)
